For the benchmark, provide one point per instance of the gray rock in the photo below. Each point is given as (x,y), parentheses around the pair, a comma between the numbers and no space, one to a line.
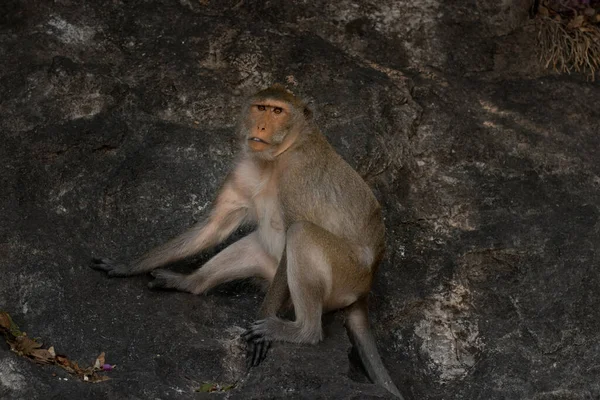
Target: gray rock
(118,125)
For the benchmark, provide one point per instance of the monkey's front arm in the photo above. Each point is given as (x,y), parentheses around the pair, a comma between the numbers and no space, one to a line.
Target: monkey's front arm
(229,211)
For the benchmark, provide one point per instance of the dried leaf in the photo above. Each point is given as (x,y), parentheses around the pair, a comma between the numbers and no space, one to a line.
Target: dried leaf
(228,387)
(75,366)
(68,369)
(207,388)
(100,361)
(5,320)
(42,356)
(7,323)
(62,360)
(26,345)
(543,11)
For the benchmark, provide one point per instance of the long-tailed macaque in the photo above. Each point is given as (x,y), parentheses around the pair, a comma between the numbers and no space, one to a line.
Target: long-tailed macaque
(319,233)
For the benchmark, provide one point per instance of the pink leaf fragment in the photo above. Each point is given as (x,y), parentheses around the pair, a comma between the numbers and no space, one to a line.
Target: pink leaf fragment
(107,367)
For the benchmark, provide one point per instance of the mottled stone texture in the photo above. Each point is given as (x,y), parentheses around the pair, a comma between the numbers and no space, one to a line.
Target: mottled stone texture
(117,123)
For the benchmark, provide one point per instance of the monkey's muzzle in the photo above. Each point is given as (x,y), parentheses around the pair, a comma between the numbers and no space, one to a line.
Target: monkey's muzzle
(259,140)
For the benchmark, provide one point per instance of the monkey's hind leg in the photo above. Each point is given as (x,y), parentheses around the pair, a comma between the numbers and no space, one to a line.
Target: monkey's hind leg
(313,257)
(243,259)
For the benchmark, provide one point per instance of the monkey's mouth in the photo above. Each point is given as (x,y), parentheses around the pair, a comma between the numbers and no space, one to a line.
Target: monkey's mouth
(257,139)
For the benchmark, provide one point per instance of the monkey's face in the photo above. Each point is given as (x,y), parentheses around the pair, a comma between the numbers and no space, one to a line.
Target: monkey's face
(267,124)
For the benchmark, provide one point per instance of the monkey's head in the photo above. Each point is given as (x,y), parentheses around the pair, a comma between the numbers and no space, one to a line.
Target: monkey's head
(274,120)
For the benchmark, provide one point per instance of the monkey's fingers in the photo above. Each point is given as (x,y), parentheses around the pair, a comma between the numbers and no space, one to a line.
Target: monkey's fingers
(252,335)
(264,349)
(252,353)
(258,343)
(250,349)
(257,352)
(256,331)
(110,267)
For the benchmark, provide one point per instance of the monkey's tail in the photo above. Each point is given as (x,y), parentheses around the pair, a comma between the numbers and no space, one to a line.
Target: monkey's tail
(359,332)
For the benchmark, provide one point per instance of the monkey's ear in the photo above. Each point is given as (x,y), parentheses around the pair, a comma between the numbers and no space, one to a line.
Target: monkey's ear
(308,114)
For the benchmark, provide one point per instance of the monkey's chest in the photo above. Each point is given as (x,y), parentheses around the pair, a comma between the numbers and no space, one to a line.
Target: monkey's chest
(270,223)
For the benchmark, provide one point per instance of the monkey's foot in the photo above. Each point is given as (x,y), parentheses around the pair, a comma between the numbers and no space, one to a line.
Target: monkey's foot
(258,343)
(165,279)
(111,267)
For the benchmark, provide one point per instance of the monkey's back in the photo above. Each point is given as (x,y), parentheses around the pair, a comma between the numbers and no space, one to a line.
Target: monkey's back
(322,188)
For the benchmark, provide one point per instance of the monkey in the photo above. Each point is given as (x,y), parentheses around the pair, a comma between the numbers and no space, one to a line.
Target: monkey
(319,236)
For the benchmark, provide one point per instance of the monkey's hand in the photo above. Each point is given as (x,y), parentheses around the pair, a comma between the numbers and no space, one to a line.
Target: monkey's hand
(111,267)
(258,343)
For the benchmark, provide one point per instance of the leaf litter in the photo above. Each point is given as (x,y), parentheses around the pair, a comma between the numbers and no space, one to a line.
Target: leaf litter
(569,35)
(30,348)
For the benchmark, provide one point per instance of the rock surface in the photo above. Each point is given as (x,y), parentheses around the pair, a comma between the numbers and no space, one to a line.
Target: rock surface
(117,121)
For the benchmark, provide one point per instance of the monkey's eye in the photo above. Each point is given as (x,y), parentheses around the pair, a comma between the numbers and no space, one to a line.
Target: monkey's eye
(277,110)
(261,108)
